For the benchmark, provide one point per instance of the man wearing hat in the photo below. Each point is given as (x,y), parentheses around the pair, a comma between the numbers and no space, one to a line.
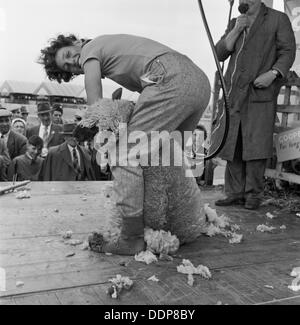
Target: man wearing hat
(68,161)
(15,142)
(49,132)
(24,113)
(57,114)
(16,112)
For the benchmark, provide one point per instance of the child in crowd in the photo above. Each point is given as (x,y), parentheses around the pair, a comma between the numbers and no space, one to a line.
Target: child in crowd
(28,166)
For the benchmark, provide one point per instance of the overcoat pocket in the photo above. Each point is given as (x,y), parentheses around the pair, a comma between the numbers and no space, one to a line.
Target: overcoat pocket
(258,95)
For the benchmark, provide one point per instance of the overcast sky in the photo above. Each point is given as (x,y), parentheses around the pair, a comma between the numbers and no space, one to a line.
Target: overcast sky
(26,25)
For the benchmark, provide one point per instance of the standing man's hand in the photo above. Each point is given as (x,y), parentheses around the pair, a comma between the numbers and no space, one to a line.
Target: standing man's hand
(242,22)
(264,80)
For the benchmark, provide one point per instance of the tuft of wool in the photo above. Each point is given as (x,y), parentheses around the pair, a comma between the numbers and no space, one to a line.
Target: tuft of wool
(188,268)
(296,282)
(212,216)
(23,195)
(161,242)
(220,226)
(146,257)
(296,272)
(264,228)
(119,283)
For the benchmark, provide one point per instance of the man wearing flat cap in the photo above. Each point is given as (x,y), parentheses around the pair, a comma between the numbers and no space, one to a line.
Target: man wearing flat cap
(14,142)
(16,112)
(48,131)
(24,113)
(68,161)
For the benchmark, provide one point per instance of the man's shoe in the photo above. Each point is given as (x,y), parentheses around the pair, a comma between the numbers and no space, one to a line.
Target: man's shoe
(252,204)
(230,200)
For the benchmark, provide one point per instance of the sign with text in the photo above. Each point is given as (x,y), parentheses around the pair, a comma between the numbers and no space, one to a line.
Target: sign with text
(288,145)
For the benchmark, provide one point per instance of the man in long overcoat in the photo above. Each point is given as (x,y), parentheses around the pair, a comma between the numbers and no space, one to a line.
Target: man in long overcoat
(261,47)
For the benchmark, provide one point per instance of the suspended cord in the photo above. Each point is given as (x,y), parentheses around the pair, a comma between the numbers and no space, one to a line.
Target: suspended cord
(225,93)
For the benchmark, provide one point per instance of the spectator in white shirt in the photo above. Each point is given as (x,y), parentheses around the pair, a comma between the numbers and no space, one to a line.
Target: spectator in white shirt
(50,133)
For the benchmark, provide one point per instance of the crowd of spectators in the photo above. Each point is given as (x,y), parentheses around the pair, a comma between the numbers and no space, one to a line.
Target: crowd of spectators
(47,151)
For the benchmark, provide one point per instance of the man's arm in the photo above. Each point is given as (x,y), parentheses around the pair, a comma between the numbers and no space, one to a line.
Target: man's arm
(23,145)
(4,154)
(226,45)
(45,172)
(286,46)
(4,161)
(92,80)
(241,24)
(286,52)
(87,164)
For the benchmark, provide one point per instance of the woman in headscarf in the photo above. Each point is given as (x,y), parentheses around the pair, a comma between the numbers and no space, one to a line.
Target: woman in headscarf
(19,126)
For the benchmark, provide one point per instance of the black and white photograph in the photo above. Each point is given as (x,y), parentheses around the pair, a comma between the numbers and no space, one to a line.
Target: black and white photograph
(150,155)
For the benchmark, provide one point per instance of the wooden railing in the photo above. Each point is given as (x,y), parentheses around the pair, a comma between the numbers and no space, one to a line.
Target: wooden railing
(286,109)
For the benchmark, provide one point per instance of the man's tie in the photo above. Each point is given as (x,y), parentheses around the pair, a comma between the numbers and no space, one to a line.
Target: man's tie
(45,136)
(76,164)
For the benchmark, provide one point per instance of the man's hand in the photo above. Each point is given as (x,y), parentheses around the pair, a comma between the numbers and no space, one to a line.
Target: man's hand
(265,80)
(242,22)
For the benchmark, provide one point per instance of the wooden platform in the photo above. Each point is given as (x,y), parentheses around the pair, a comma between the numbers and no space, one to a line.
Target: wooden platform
(32,251)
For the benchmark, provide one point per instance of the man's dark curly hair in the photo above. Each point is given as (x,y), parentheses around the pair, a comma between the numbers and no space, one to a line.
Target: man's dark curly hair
(47,58)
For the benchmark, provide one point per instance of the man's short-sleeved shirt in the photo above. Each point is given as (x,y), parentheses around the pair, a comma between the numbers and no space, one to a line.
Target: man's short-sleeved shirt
(123,58)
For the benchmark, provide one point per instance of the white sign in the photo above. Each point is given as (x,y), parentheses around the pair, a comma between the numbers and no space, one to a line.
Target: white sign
(288,145)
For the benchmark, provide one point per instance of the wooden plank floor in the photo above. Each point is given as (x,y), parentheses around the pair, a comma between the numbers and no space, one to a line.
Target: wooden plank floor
(32,251)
